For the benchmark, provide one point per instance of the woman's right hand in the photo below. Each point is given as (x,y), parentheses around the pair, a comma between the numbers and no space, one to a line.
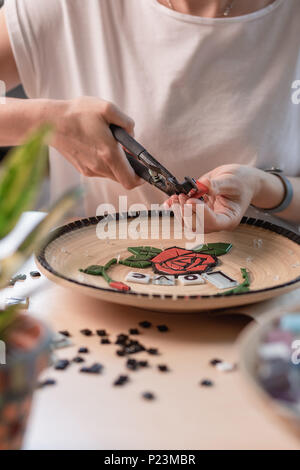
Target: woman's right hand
(83,137)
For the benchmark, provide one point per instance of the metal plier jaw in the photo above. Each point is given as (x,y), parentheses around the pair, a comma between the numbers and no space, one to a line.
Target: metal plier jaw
(152,171)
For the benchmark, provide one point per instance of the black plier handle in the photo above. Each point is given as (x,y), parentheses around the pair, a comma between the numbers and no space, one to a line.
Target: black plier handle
(148,168)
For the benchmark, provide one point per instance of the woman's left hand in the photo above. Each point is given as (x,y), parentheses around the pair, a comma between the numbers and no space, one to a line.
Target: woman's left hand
(231,189)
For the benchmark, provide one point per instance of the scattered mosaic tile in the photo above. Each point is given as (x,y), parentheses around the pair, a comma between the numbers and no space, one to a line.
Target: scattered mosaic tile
(162,328)
(86,332)
(163,368)
(65,333)
(215,362)
(148,396)
(46,383)
(145,324)
(105,341)
(101,333)
(62,364)
(206,383)
(83,350)
(143,363)
(225,367)
(121,380)
(134,331)
(94,369)
(153,351)
(138,278)
(35,274)
(78,360)
(132,364)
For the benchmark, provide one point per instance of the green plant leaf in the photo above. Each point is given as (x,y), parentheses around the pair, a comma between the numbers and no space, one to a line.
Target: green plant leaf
(144,252)
(21,175)
(216,249)
(7,318)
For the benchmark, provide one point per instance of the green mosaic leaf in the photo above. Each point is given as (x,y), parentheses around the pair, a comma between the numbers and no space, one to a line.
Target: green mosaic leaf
(145,252)
(242,288)
(216,249)
(94,270)
(138,258)
(237,290)
(133,262)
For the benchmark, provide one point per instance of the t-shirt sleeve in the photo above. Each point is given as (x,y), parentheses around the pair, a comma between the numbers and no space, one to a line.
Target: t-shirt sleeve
(29,24)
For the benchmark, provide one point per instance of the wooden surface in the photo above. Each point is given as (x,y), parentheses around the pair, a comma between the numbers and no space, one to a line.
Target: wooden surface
(271,259)
(85,412)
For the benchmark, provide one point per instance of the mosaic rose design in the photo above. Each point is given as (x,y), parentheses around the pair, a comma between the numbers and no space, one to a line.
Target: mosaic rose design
(178,261)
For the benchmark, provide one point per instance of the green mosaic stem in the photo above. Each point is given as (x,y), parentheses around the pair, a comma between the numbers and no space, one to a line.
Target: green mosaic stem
(106,268)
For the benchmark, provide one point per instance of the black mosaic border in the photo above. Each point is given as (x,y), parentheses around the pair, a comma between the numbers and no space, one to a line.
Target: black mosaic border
(40,255)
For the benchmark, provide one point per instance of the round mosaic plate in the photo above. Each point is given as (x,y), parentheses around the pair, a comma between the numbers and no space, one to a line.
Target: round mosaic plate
(270,254)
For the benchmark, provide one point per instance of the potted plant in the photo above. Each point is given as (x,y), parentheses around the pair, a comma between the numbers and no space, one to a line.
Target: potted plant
(24,341)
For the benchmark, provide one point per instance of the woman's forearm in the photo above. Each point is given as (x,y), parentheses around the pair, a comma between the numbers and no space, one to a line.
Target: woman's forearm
(270,193)
(18,117)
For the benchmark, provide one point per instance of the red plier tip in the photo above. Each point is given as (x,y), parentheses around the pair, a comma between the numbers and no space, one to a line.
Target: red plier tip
(202,190)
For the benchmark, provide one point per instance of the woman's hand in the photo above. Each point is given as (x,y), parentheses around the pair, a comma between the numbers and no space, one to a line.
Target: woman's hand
(84,138)
(232,188)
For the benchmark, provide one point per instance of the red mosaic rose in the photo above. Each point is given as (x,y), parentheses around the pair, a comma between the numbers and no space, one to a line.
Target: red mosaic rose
(178,261)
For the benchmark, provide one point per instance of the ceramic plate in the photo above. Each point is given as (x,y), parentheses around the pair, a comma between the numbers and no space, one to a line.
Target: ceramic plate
(270,253)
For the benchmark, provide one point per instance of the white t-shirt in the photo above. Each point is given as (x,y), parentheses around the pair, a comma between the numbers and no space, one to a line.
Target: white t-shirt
(203,92)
